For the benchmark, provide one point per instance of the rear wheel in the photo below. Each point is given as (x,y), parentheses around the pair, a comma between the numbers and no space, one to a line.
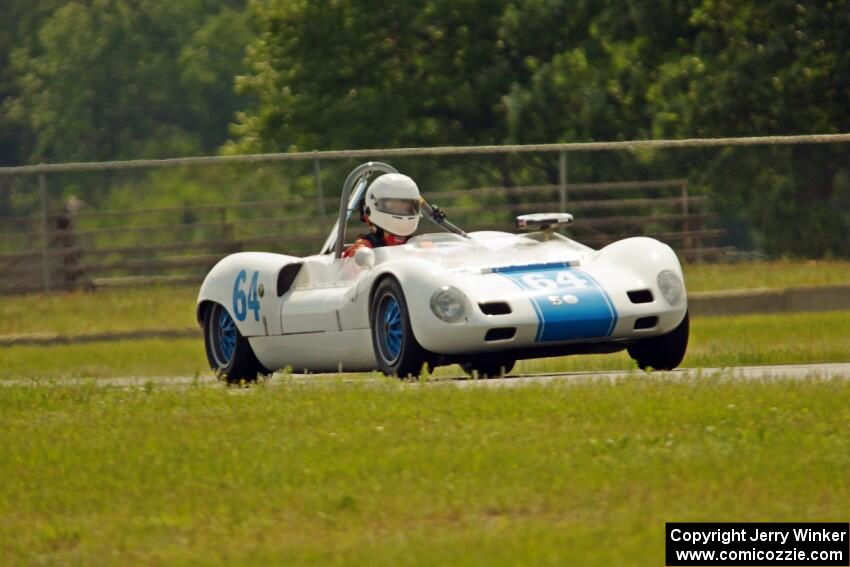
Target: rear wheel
(396,349)
(488,368)
(229,354)
(665,352)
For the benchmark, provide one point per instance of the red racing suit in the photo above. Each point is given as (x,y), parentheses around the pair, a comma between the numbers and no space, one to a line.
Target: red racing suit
(374,240)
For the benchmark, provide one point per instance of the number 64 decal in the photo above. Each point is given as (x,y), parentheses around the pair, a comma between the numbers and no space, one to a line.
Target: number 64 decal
(545,282)
(242,303)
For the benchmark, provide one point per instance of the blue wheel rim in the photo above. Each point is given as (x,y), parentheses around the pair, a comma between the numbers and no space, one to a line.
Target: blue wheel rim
(226,339)
(391,328)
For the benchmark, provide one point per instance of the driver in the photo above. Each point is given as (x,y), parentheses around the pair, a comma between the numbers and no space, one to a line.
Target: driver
(390,210)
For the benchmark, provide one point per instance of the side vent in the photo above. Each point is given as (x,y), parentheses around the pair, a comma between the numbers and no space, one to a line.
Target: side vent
(646,323)
(495,308)
(500,334)
(640,296)
(287,276)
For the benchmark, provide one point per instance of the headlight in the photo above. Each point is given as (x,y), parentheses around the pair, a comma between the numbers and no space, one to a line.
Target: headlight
(447,303)
(671,287)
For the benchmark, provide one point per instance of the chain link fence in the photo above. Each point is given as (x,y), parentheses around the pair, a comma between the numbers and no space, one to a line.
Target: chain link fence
(86,225)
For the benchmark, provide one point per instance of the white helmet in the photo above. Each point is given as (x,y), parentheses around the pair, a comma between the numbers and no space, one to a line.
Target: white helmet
(392,203)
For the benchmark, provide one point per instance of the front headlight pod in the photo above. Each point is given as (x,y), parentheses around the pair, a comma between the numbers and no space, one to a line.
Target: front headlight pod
(448,304)
(671,287)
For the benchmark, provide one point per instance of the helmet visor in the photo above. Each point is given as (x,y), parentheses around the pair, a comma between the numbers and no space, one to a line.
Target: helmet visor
(400,207)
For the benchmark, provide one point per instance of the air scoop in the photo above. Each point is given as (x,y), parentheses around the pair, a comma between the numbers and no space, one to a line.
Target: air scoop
(546,222)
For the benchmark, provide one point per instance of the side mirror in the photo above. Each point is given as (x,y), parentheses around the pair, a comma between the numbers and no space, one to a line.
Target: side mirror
(364,257)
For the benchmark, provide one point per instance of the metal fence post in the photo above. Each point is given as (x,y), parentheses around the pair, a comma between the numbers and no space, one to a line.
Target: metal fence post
(688,243)
(320,196)
(562,180)
(45,233)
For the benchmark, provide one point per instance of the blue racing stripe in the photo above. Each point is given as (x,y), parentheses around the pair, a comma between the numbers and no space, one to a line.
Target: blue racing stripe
(569,303)
(610,303)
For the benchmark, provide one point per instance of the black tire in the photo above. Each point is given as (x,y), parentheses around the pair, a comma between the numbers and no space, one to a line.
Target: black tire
(665,352)
(229,354)
(491,368)
(396,349)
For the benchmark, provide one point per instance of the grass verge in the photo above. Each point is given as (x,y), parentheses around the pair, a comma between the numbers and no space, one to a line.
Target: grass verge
(715,342)
(735,341)
(781,273)
(80,312)
(173,307)
(383,473)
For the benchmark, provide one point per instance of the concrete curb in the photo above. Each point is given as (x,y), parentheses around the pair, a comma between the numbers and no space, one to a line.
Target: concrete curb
(51,339)
(766,300)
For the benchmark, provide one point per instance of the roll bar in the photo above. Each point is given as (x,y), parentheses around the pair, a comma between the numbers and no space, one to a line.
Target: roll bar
(348,202)
(352,192)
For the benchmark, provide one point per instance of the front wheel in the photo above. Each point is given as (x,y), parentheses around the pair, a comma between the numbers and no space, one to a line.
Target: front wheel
(396,349)
(229,354)
(665,352)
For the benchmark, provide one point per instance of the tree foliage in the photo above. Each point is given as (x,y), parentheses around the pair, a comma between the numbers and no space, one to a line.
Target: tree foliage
(762,68)
(359,73)
(110,79)
(355,73)
(18,28)
(105,79)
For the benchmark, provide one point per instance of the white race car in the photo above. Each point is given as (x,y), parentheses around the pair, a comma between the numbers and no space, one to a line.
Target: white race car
(483,300)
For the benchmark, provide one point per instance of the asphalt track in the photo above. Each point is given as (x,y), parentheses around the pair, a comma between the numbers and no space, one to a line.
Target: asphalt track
(763,373)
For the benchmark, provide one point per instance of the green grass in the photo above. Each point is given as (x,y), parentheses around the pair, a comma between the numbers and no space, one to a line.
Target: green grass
(715,342)
(160,307)
(784,273)
(385,473)
(150,357)
(373,471)
(79,312)
(736,341)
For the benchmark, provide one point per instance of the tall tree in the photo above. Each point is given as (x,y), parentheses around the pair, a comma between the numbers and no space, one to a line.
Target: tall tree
(18,29)
(361,73)
(114,79)
(357,73)
(761,68)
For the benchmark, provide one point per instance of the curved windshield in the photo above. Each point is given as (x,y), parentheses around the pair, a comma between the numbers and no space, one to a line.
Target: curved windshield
(437,238)
(485,250)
